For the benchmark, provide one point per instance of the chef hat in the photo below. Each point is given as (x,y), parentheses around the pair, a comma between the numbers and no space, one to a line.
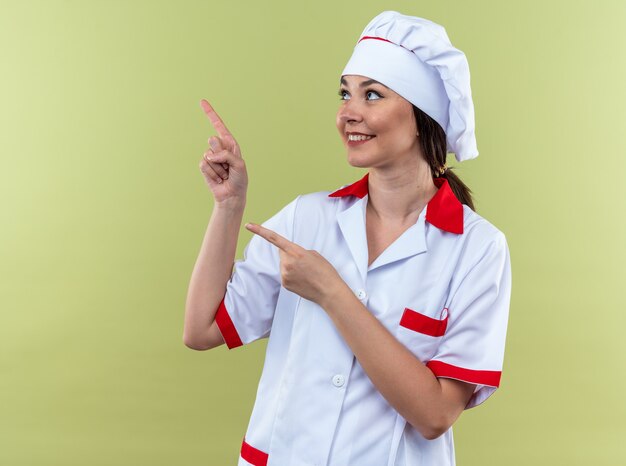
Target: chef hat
(414,58)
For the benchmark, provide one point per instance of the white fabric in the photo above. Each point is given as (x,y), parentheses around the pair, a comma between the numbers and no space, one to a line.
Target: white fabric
(421,65)
(315,405)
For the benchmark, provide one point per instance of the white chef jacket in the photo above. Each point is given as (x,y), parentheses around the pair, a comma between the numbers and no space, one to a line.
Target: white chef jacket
(442,288)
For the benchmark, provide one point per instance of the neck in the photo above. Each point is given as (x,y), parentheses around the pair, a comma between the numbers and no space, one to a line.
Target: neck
(400,194)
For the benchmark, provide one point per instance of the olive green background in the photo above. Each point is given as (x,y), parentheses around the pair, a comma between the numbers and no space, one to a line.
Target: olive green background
(104,208)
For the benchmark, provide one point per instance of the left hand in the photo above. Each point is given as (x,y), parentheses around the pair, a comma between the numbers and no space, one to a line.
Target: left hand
(303,271)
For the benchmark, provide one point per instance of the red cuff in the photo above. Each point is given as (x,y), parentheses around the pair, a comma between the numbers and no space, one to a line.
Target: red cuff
(441,369)
(227,328)
(253,455)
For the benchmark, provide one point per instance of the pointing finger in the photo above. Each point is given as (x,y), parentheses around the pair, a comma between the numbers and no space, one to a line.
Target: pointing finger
(274,238)
(215,119)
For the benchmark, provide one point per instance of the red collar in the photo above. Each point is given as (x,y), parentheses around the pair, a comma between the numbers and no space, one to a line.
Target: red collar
(444,210)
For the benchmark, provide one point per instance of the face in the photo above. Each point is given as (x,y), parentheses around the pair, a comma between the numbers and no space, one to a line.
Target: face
(368,108)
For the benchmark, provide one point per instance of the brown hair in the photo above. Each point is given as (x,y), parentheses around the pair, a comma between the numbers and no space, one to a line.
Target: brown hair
(432,139)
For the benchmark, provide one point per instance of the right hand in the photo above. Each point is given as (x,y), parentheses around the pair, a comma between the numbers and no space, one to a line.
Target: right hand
(225,172)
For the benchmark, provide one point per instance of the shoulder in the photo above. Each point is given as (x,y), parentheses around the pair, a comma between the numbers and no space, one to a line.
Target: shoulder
(477,228)
(481,237)
(479,257)
(315,208)
(319,198)
(316,215)
(320,201)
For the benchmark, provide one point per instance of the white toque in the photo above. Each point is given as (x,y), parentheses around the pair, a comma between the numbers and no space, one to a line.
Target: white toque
(414,57)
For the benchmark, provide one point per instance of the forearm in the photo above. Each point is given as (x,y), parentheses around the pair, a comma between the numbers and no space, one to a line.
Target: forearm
(403,380)
(212,270)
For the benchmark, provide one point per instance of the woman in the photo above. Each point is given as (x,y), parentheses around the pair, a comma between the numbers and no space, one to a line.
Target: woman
(386,301)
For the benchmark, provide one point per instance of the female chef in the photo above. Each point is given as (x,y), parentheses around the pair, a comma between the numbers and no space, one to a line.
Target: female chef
(385,301)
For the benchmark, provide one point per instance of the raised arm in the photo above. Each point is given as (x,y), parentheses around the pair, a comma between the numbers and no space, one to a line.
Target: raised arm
(225,172)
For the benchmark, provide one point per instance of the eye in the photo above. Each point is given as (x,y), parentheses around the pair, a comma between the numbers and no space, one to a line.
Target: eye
(341,93)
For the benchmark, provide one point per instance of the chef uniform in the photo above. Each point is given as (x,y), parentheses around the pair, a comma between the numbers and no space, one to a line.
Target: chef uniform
(442,289)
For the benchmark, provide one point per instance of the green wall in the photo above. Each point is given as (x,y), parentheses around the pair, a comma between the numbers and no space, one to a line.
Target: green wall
(103,210)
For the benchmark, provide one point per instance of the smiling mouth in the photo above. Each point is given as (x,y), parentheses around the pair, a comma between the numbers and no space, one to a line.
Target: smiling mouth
(358,136)
(357,140)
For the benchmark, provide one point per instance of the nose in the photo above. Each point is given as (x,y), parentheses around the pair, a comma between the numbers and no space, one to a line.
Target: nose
(349,112)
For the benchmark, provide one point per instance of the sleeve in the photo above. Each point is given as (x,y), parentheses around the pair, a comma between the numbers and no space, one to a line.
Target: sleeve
(246,312)
(472,349)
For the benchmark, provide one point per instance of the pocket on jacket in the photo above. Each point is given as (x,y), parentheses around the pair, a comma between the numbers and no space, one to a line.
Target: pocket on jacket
(420,333)
(424,324)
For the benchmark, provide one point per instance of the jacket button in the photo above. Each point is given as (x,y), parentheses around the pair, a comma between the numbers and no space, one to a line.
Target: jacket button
(361,294)
(338,380)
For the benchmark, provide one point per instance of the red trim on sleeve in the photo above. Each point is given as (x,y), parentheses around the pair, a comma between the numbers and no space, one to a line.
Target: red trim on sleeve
(423,324)
(226,326)
(252,455)
(442,369)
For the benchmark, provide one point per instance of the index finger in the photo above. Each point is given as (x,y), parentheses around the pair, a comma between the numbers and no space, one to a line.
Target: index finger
(216,121)
(273,237)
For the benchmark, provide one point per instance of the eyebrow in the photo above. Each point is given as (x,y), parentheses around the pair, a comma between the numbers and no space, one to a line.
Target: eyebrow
(363,84)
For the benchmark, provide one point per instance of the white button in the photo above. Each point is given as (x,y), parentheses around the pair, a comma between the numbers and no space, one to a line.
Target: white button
(361,294)
(338,380)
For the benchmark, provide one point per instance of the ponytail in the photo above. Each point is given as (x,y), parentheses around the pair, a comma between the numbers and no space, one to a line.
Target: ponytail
(432,139)
(460,189)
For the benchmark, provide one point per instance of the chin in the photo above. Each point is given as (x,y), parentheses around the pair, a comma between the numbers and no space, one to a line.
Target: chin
(359,162)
